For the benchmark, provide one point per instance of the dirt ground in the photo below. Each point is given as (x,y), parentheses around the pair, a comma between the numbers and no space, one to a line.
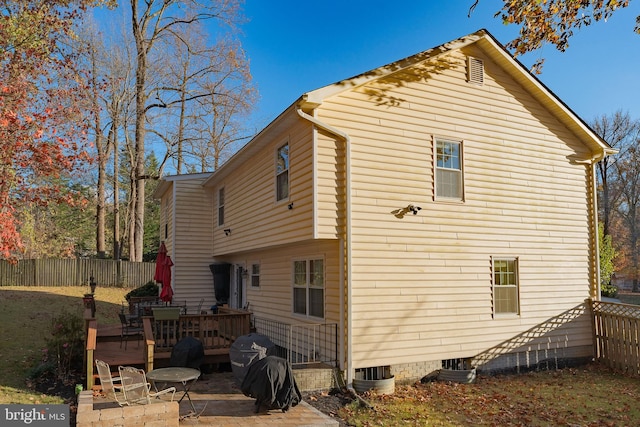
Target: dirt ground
(328,403)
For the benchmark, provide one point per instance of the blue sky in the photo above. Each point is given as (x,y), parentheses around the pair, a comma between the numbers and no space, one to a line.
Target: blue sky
(298,46)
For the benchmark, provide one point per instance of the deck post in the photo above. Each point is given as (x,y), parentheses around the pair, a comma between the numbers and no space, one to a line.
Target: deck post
(92,334)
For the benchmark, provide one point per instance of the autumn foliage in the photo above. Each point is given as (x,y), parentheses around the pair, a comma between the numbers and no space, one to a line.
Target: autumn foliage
(42,124)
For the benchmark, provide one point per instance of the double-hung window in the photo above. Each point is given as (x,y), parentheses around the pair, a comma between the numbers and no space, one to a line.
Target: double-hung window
(221,206)
(505,286)
(255,275)
(308,287)
(448,178)
(282,173)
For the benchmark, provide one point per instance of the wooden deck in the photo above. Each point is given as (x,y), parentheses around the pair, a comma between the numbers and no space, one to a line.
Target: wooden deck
(216,332)
(108,348)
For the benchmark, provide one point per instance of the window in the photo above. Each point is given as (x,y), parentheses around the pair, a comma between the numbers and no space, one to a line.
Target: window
(166,218)
(308,287)
(282,173)
(255,275)
(449,169)
(505,286)
(221,206)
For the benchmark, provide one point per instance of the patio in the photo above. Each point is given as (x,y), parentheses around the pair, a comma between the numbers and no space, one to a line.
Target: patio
(227,406)
(219,401)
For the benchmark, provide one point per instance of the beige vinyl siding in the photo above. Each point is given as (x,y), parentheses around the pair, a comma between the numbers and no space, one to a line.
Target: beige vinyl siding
(330,186)
(422,284)
(168,208)
(252,214)
(192,246)
(273,299)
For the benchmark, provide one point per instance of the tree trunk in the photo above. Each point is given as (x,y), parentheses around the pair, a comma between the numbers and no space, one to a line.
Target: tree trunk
(136,232)
(102,159)
(116,189)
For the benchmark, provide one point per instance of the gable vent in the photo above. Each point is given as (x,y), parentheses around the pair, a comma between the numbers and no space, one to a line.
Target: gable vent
(475,71)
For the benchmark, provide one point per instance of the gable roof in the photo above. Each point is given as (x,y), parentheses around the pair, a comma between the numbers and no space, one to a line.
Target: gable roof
(166,181)
(488,44)
(497,52)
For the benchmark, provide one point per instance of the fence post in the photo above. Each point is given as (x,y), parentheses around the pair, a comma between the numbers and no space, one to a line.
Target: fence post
(594,336)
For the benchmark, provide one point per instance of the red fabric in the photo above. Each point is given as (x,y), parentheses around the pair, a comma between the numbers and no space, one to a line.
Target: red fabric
(166,294)
(160,261)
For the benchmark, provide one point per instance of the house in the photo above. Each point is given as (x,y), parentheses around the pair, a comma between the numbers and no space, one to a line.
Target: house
(439,209)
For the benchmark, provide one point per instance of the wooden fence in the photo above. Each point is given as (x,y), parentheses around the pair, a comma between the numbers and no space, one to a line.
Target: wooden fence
(75,272)
(616,329)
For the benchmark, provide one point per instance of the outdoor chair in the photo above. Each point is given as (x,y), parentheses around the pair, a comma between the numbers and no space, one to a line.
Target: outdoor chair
(166,325)
(198,308)
(129,329)
(111,390)
(136,389)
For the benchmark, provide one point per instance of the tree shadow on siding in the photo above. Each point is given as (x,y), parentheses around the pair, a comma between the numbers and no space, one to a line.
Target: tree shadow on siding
(414,69)
(547,343)
(383,90)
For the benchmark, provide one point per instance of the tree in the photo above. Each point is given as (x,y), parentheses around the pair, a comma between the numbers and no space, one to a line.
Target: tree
(607,256)
(628,171)
(41,109)
(621,132)
(205,90)
(152,22)
(553,21)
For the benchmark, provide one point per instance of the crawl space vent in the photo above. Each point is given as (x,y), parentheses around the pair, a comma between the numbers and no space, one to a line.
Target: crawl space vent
(475,71)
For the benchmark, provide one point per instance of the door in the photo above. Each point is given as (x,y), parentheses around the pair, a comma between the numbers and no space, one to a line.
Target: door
(239,297)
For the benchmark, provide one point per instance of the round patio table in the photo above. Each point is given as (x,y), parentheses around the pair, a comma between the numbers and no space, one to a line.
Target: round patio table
(175,375)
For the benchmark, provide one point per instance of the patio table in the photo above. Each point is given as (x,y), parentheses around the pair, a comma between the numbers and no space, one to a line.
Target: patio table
(176,375)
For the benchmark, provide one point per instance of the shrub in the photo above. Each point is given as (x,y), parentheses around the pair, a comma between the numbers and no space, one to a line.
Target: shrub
(609,291)
(65,345)
(149,289)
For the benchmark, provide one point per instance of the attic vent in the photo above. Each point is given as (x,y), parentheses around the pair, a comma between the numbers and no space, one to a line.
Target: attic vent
(475,71)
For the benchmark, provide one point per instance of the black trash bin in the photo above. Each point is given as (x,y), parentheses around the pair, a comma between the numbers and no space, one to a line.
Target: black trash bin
(248,349)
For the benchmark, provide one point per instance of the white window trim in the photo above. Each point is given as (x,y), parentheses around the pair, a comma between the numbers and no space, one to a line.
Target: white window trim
(436,197)
(277,175)
(307,286)
(221,206)
(251,275)
(493,286)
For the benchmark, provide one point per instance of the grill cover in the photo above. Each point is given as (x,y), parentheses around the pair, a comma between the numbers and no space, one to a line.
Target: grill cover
(247,349)
(187,353)
(271,382)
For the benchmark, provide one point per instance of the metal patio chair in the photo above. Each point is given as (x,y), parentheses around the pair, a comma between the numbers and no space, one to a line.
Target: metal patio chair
(111,390)
(136,388)
(128,330)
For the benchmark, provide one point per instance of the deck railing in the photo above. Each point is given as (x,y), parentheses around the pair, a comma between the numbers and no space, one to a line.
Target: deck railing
(302,343)
(616,329)
(215,331)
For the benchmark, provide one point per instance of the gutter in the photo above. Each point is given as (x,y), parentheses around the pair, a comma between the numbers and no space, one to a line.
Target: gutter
(347,246)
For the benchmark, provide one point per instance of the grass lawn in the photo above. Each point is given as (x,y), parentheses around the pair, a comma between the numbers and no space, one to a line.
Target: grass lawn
(26,316)
(587,396)
(629,298)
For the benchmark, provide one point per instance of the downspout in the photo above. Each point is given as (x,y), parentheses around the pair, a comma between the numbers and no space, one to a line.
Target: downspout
(347,255)
(594,186)
(592,164)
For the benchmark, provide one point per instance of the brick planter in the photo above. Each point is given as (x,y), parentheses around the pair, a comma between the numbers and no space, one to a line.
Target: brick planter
(160,414)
